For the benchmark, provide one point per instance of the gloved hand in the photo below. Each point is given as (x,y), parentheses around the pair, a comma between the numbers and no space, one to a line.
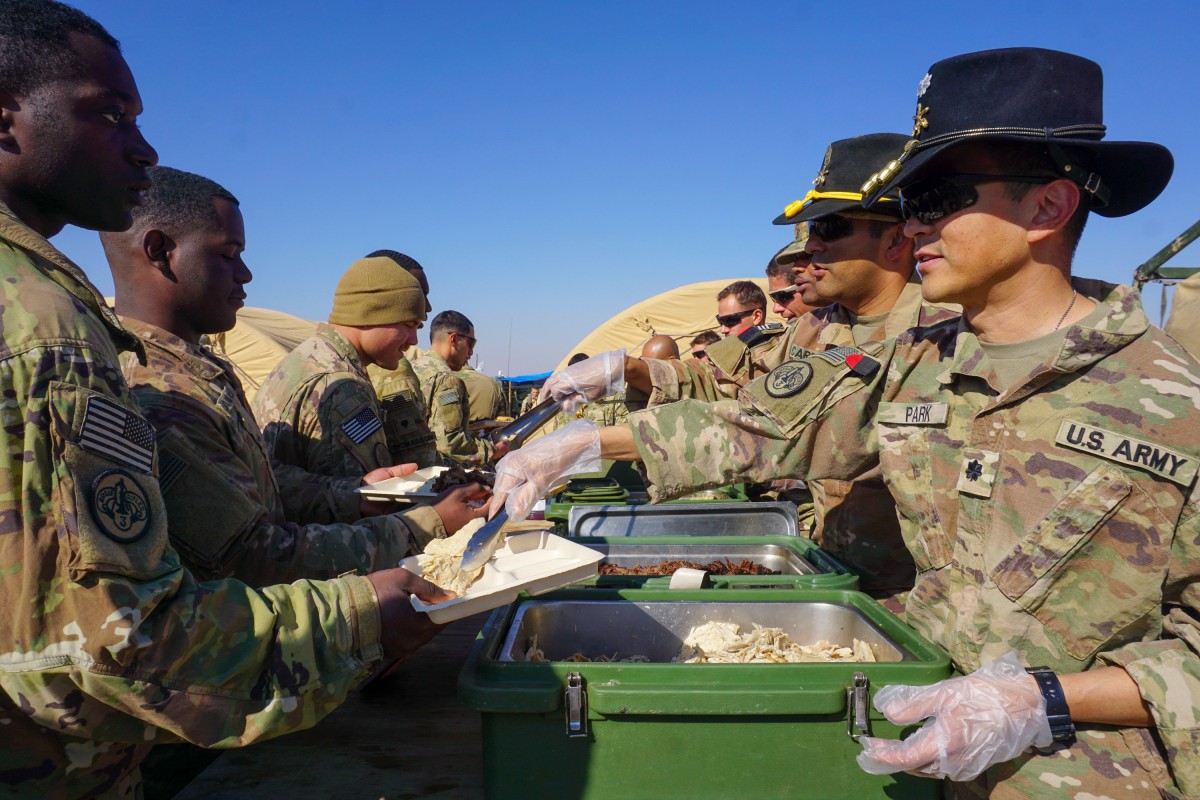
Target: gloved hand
(985,718)
(588,381)
(524,476)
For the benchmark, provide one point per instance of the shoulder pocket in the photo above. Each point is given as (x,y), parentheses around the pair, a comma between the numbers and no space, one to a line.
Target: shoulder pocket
(208,515)
(1101,533)
(361,435)
(108,501)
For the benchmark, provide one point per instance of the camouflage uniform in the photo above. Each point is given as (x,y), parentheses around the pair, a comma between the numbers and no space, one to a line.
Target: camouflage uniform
(409,439)
(855,520)
(528,403)
(485,398)
(223,500)
(1058,518)
(319,412)
(110,645)
(447,411)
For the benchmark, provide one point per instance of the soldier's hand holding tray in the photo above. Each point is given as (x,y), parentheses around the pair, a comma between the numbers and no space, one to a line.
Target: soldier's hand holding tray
(460,504)
(524,476)
(373,508)
(404,628)
(972,722)
(587,381)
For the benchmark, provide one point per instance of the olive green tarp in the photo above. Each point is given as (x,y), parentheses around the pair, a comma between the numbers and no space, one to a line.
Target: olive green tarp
(680,313)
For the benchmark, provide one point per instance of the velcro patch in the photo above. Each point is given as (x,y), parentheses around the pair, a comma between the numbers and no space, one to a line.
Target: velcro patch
(977,475)
(1154,458)
(170,467)
(913,413)
(448,397)
(796,352)
(120,506)
(361,425)
(788,379)
(835,355)
(397,402)
(115,433)
(756,335)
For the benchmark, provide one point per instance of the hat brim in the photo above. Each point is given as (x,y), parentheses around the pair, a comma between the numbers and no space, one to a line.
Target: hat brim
(1135,172)
(819,208)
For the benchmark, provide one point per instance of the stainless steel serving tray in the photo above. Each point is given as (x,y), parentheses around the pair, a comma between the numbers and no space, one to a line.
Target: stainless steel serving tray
(657,629)
(772,556)
(698,519)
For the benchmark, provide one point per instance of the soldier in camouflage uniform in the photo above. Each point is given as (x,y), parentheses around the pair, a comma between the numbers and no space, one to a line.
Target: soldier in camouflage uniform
(1047,487)
(221,495)
(317,408)
(485,398)
(399,391)
(447,406)
(110,645)
(530,400)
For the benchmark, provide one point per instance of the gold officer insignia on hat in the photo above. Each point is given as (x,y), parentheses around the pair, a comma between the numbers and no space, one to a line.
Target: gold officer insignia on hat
(824,173)
(920,122)
(923,86)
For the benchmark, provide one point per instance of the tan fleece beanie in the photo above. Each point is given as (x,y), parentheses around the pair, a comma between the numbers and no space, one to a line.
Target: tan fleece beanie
(377,291)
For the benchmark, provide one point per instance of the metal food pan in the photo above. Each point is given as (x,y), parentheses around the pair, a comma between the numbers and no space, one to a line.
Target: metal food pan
(657,629)
(699,519)
(772,556)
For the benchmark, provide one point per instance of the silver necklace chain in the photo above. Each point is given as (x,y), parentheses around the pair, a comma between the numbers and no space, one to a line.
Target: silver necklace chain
(1074,295)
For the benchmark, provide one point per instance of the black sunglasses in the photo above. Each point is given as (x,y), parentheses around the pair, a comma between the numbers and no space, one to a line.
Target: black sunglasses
(830,227)
(729,320)
(785,295)
(930,200)
(699,354)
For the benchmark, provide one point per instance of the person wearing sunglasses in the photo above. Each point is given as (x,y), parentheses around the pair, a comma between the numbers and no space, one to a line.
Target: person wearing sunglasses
(447,404)
(1042,451)
(740,305)
(700,344)
(783,280)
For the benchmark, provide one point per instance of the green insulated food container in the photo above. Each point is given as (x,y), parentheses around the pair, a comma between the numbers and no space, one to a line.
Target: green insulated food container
(559,728)
(799,562)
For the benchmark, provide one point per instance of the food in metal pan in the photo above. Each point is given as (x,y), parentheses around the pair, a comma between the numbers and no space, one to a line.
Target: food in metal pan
(722,566)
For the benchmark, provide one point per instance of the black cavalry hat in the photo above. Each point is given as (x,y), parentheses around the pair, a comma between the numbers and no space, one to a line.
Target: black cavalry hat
(837,187)
(1027,94)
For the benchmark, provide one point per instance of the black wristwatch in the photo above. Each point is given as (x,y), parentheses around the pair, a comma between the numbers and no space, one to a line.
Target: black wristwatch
(1057,712)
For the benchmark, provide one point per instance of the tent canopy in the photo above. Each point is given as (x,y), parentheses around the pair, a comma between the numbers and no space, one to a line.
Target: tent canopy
(679,313)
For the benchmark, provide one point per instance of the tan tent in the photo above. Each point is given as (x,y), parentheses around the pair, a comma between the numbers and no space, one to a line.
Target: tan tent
(680,313)
(258,341)
(1184,322)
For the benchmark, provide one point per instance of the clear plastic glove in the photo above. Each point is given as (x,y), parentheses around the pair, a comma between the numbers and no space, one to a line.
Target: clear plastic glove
(988,717)
(588,381)
(524,476)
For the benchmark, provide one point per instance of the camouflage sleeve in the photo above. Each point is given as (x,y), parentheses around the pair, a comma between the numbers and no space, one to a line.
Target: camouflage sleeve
(223,525)
(808,419)
(309,497)
(107,636)
(448,419)
(674,380)
(1167,671)
(342,414)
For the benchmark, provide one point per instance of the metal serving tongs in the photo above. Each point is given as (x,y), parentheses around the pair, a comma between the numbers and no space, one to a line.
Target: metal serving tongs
(484,541)
(516,432)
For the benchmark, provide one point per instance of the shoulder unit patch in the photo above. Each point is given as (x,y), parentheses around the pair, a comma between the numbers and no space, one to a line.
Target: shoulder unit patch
(788,379)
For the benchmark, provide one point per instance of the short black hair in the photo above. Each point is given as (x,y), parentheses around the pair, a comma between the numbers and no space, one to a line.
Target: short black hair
(408,262)
(35,43)
(575,359)
(450,322)
(706,338)
(1029,158)
(775,270)
(179,202)
(747,293)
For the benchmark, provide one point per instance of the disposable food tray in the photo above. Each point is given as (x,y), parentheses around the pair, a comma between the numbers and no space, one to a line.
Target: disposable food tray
(533,563)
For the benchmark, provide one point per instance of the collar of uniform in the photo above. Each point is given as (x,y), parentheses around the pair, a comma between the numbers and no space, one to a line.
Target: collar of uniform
(439,363)
(1082,346)
(194,358)
(67,275)
(341,345)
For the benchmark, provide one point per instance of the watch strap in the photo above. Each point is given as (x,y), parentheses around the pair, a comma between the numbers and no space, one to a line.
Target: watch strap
(1057,711)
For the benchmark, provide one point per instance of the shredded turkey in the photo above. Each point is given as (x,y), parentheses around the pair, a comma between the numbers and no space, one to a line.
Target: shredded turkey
(441,563)
(724,643)
(534,653)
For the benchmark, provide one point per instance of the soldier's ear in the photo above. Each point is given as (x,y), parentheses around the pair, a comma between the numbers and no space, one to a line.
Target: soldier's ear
(898,245)
(158,249)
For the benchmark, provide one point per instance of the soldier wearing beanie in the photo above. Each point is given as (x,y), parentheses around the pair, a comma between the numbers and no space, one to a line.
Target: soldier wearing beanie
(317,408)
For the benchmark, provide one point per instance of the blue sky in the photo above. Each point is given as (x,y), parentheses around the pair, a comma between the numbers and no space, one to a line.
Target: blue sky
(552,163)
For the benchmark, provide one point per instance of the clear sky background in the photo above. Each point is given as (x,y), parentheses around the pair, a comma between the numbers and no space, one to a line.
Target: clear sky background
(551,163)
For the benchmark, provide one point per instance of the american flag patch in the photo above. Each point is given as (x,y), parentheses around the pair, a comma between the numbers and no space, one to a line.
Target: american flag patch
(834,355)
(170,467)
(362,425)
(113,432)
(396,401)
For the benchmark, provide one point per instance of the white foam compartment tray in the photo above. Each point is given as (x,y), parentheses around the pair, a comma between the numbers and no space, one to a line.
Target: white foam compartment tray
(535,562)
(405,488)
